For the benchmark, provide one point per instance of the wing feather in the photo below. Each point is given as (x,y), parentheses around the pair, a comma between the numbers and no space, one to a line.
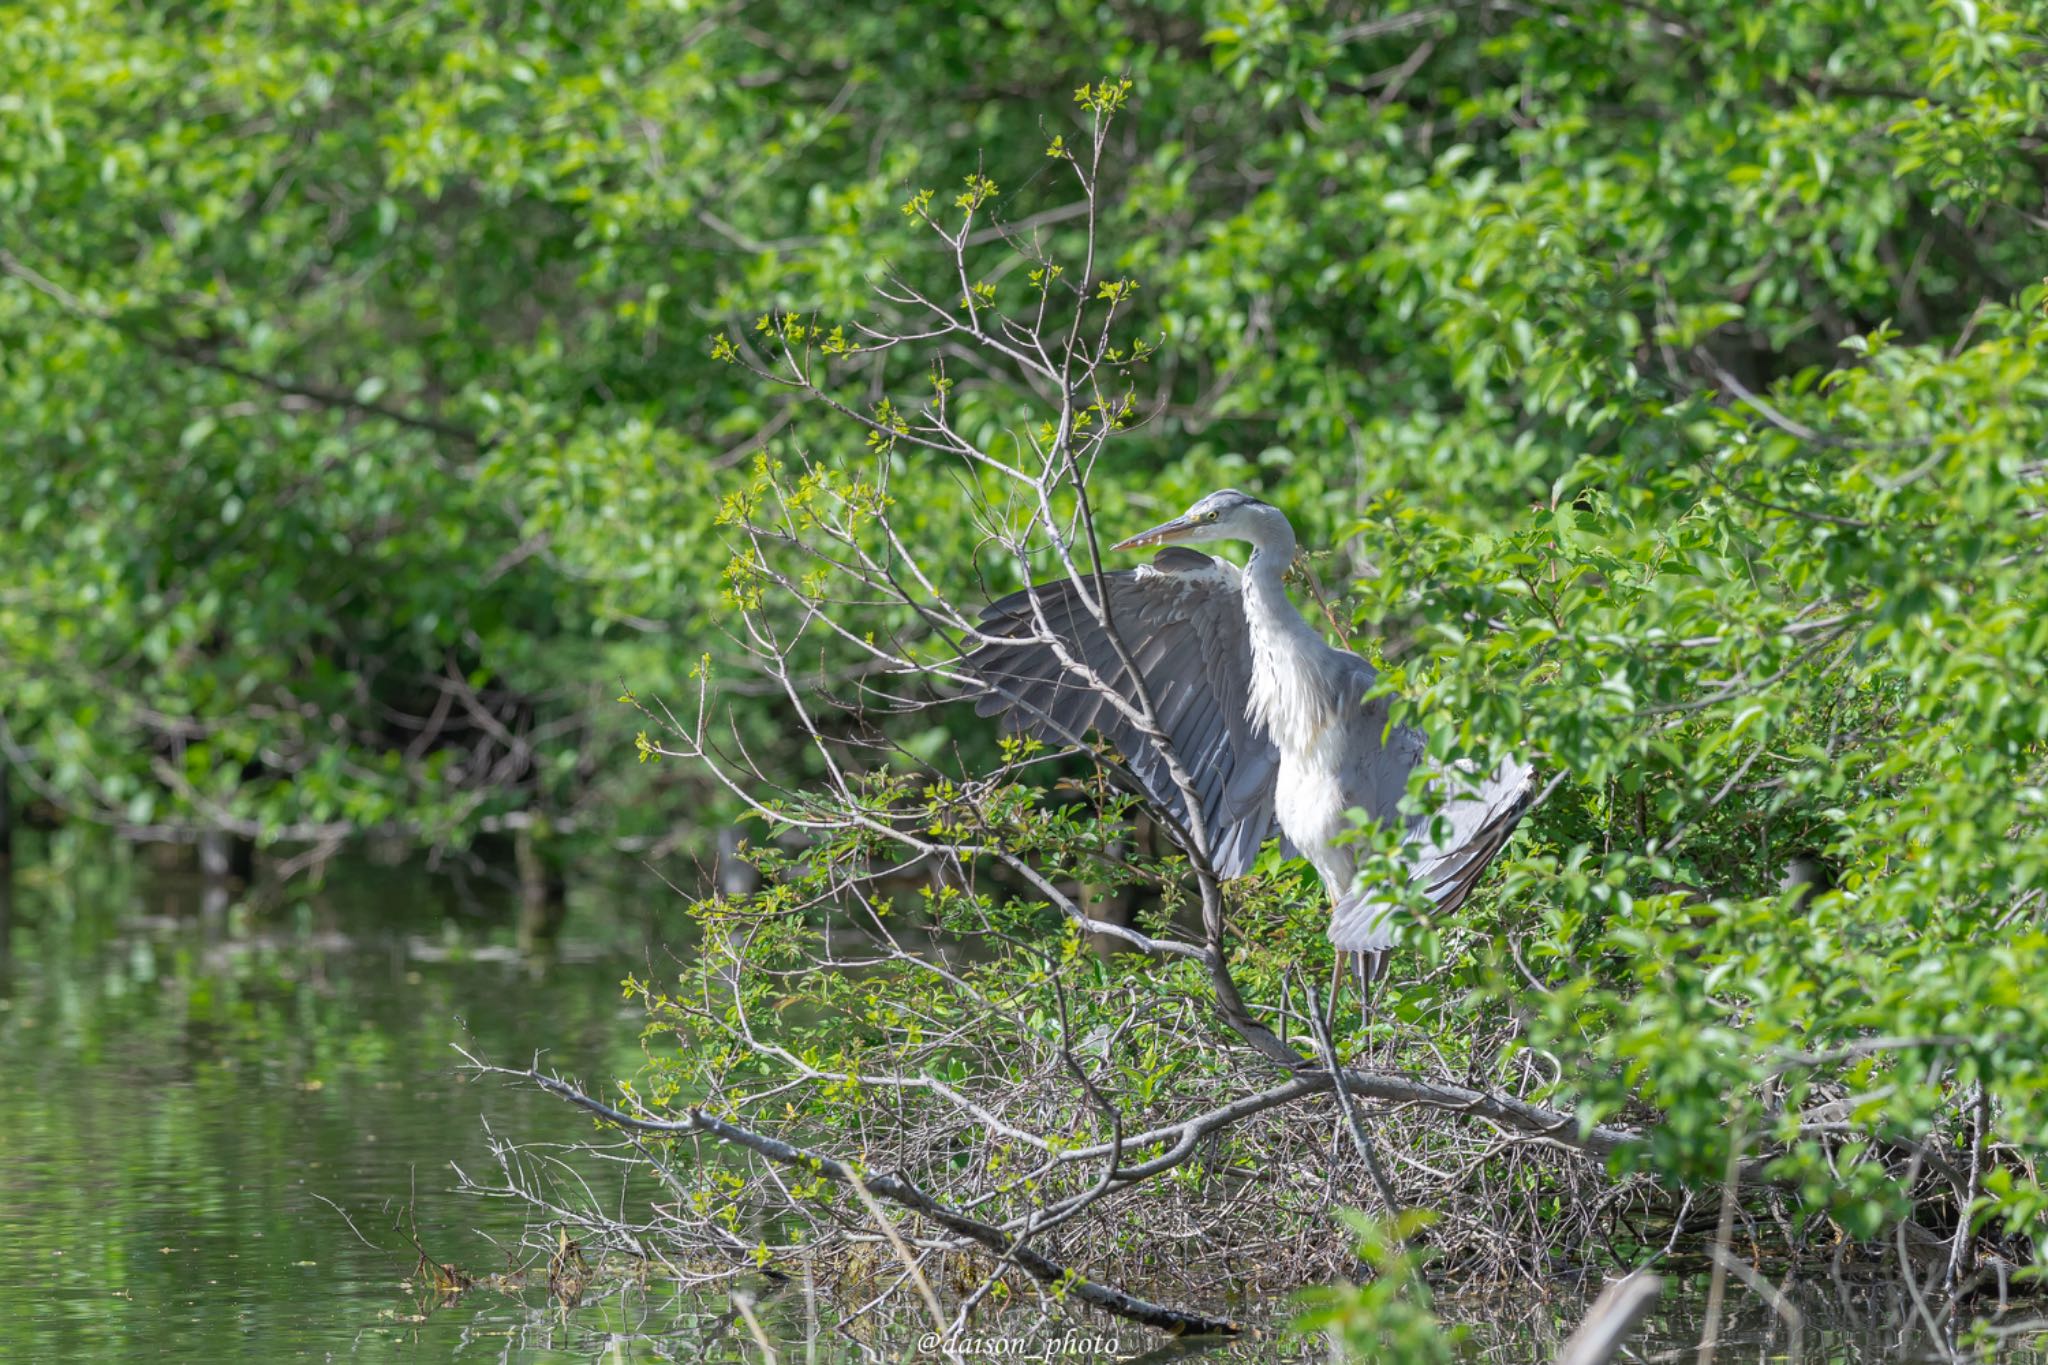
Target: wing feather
(1478,825)
(1181,620)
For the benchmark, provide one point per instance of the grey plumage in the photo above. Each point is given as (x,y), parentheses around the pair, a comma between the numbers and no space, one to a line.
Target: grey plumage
(1182,621)
(1269,721)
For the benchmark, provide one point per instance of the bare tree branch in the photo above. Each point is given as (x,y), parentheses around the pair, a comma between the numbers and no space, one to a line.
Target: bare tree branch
(893,1188)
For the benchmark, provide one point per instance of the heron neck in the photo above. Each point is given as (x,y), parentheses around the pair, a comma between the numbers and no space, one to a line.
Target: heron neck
(1289,699)
(1265,587)
(1270,614)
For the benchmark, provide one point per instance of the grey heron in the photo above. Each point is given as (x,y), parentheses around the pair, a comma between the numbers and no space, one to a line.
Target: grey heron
(1272,725)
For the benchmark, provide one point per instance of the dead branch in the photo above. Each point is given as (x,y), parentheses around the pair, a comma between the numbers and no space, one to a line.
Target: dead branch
(1611,1320)
(893,1188)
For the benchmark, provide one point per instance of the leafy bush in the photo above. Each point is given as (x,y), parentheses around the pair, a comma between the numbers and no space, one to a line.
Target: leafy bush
(1665,383)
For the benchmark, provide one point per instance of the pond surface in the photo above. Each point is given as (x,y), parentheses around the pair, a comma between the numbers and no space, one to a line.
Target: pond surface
(182,1088)
(194,1087)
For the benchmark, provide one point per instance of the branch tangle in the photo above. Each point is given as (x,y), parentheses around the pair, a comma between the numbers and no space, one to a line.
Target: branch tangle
(898,1191)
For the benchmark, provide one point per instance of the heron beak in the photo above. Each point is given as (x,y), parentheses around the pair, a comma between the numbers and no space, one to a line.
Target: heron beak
(1158,535)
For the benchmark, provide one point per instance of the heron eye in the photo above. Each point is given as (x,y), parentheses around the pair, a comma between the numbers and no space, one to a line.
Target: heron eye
(1213,516)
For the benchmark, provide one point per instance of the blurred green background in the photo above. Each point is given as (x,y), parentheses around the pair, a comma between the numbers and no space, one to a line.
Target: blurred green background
(359,430)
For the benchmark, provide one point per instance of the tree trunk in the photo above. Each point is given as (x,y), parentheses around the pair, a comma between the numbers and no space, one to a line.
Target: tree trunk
(735,875)
(6,925)
(225,857)
(1110,905)
(6,821)
(543,890)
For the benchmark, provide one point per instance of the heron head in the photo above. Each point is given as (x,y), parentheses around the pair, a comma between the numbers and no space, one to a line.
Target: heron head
(1224,515)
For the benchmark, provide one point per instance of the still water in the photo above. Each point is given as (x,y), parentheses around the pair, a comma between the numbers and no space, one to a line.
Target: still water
(182,1089)
(195,1088)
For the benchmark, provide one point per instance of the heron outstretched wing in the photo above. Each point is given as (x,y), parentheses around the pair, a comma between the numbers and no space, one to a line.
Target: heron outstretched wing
(1476,823)
(1181,619)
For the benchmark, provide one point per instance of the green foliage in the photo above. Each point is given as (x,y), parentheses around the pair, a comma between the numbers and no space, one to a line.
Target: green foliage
(1388,1316)
(1689,418)
(1669,379)
(346,350)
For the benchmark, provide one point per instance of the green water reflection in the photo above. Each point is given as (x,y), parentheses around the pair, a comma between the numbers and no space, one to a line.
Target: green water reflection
(180,1087)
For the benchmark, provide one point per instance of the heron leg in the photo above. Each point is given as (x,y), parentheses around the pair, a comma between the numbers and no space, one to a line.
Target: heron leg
(1330,1005)
(1286,1001)
(1370,968)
